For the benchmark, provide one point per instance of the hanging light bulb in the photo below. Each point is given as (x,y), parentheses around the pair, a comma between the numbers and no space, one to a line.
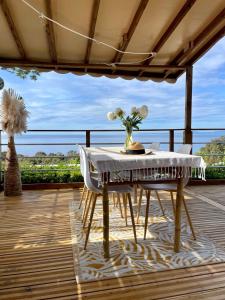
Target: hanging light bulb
(1,83)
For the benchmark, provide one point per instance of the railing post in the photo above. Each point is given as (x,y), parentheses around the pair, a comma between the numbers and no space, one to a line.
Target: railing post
(171,140)
(88,138)
(187,139)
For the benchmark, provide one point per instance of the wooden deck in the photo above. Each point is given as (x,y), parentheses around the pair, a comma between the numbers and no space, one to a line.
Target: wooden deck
(36,254)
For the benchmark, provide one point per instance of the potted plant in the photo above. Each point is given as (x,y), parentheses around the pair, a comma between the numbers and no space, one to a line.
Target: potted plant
(14,121)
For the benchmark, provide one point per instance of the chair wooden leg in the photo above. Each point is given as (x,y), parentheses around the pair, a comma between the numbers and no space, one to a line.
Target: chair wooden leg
(146,214)
(85,204)
(160,203)
(114,200)
(82,196)
(139,205)
(132,216)
(87,209)
(90,221)
(120,206)
(125,207)
(189,219)
(135,193)
(173,203)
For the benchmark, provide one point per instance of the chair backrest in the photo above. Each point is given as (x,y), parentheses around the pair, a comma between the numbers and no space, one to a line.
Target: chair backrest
(185,149)
(81,161)
(154,146)
(86,171)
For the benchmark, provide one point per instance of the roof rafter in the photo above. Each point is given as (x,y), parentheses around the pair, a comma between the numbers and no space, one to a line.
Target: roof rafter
(206,31)
(94,16)
(127,36)
(182,55)
(50,32)
(173,25)
(12,27)
(219,35)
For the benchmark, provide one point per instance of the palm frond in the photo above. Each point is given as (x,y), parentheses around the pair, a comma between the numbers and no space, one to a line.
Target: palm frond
(13,112)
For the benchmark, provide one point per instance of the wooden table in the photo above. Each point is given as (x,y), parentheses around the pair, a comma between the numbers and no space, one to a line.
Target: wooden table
(179,179)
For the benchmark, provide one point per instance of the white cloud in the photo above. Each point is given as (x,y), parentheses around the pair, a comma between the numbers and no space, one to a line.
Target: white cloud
(69,101)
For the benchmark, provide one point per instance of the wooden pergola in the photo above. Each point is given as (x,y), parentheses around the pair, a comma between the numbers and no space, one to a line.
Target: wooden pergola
(179,32)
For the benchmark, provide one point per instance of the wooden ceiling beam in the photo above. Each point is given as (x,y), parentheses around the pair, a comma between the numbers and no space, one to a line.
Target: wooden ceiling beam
(127,36)
(36,64)
(13,29)
(94,16)
(173,25)
(218,36)
(50,32)
(182,55)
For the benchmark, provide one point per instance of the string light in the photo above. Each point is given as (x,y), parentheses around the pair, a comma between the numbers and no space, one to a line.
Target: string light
(43,16)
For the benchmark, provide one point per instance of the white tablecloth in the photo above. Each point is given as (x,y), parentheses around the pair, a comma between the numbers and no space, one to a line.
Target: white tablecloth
(111,160)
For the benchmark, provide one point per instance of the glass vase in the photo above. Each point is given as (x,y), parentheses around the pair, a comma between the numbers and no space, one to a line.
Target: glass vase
(129,139)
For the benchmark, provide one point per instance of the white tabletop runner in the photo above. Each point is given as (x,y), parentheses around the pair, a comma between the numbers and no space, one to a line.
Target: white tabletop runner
(110,159)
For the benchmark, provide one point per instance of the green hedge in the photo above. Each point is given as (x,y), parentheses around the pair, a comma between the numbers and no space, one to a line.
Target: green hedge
(51,176)
(215,173)
(69,176)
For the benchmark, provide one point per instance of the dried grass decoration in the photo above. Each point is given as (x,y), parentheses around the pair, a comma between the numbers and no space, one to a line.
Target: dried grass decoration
(14,121)
(1,83)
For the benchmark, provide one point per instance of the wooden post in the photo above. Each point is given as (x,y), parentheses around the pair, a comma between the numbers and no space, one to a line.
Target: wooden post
(178,214)
(88,138)
(105,201)
(188,106)
(171,140)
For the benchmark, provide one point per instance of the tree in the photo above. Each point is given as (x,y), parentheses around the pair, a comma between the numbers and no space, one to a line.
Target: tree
(22,73)
(14,121)
(215,149)
(40,153)
(71,153)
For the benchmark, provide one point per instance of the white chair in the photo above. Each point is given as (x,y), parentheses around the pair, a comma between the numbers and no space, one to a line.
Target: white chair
(154,146)
(169,187)
(85,190)
(184,149)
(92,185)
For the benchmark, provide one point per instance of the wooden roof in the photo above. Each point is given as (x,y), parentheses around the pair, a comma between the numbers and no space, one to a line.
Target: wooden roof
(179,31)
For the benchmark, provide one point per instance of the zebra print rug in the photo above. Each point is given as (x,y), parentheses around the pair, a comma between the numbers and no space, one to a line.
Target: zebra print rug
(127,258)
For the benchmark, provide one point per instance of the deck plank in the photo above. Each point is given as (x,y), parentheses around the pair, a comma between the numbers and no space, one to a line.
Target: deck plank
(36,259)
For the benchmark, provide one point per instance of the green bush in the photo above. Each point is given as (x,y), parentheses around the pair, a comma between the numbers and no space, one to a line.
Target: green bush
(215,173)
(51,176)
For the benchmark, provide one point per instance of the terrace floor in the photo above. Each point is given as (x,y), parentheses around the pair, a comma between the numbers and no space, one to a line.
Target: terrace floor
(36,254)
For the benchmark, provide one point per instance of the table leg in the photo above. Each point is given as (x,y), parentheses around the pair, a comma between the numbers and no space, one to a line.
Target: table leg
(105,222)
(178,214)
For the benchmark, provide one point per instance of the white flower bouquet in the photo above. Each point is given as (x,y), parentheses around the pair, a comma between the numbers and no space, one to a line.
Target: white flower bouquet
(129,121)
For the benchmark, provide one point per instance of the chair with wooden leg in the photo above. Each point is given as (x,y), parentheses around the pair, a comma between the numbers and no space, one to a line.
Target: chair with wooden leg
(154,146)
(85,190)
(92,185)
(171,188)
(85,193)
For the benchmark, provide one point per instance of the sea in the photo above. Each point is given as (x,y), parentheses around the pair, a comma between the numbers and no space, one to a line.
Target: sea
(30,143)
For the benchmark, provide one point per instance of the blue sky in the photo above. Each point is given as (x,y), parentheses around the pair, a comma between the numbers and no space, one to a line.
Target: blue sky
(67,101)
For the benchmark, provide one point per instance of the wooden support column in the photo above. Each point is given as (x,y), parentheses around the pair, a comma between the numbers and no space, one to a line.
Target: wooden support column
(187,138)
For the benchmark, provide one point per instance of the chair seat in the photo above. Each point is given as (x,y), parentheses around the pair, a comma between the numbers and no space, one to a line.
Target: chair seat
(160,186)
(120,189)
(112,188)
